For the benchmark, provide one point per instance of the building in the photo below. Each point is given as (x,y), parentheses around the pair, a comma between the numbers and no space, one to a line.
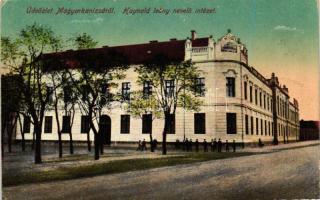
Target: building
(239,103)
(309,130)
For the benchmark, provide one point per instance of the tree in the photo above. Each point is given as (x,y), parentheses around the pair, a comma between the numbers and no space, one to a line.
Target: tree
(173,85)
(144,104)
(24,57)
(93,79)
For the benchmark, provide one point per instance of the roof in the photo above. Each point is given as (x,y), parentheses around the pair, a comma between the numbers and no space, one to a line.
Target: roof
(174,50)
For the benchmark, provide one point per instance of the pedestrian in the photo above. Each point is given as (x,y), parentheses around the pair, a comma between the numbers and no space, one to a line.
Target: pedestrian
(144,145)
(234,145)
(186,144)
(197,145)
(190,144)
(205,146)
(155,144)
(211,145)
(215,144)
(227,146)
(139,146)
(219,145)
(260,143)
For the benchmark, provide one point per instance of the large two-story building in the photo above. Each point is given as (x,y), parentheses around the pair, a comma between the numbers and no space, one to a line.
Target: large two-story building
(239,103)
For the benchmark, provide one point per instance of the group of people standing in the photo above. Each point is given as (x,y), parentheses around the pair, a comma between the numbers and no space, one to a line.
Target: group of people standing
(142,145)
(187,145)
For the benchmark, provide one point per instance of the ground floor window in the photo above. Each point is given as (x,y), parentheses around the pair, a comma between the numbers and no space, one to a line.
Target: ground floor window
(231,123)
(172,124)
(85,126)
(66,128)
(257,126)
(147,123)
(48,124)
(26,124)
(252,126)
(199,123)
(247,124)
(125,124)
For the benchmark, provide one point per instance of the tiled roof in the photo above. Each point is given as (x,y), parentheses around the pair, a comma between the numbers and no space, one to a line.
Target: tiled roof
(174,50)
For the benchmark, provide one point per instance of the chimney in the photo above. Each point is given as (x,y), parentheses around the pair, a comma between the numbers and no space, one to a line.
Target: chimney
(193,34)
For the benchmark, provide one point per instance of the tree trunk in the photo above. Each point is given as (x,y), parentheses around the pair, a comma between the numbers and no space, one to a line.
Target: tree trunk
(151,142)
(71,143)
(23,143)
(2,139)
(96,146)
(101,144)
(88,141)
(164,134)
(60,144)
(37,158)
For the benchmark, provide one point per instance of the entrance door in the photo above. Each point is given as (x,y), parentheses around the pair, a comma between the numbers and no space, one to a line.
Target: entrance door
(105,129)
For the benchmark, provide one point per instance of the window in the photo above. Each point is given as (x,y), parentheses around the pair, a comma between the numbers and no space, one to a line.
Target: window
(268,102)
(105,93)
(260,99)
(85,126)
(172,124)
(169,88)
(256,96)
(199,87)
(257,126)
(26,124)
(264,101)
(66,128)
(48,124)
(245,91)
(269,128)
(147,89)
(125,123)
(250,90)
(231,123)
(147,123)
(231,87)
(66,94)
(261,121)
(126,90)
(251,125)
(272,128)
(84,92)
(265,127)
(247,124)
(229,47)
(199,123)
(50,93)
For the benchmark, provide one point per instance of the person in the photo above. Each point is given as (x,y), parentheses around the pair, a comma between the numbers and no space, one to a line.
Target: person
(186,144)
(176,145)
(144,145)
(197,145)
(215,144)
(205,146)
(155,144)
(139,146)
(190,144)
(260,143)
(219,145)
(234,145)
(211,145)
(227,146)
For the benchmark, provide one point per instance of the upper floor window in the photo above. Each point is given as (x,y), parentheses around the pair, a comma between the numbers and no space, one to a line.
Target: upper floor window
(147,89)
(250,91)
(245,91)
(126,90)
(199,86)
(66,94)
(229,47)
(256,96)
(105,91)
(264,101)
(231,92)
(50,93)
(169,88)
(260,98)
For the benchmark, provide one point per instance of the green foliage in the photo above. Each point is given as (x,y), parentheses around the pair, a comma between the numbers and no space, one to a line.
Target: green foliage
(84,41)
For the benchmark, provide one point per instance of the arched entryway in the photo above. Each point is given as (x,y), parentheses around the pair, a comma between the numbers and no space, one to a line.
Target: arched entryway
(105,129)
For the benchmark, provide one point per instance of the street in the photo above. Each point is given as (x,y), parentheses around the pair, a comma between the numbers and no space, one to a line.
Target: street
(286,174)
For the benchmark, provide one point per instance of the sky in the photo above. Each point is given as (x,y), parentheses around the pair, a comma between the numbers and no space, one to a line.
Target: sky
(281,36)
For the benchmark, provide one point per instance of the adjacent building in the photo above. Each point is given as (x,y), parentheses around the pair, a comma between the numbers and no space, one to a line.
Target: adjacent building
(239,103)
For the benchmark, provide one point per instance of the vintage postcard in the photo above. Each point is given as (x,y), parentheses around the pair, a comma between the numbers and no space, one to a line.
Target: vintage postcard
(160,99)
